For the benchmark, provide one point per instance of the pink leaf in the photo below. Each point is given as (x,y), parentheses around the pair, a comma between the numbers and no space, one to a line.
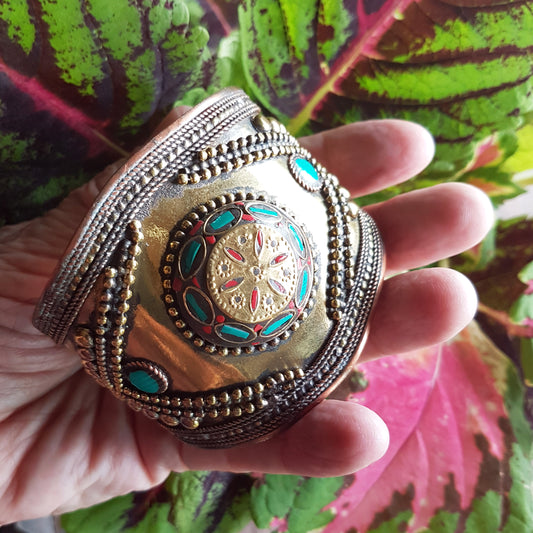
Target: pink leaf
(444,411)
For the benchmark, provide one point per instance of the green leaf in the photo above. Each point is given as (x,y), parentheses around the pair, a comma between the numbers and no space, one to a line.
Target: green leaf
(16,16)
(522,159)
(272,497)
(227,72)
(462,72)
(83,82)
(485,515)
(203,501)
(108,517)
(300,500)
(526,360)
(188,513)
(497,281)
(237,515)
(520,513)
(526,274)
(443,522)
(155,520)
(521,500)
(229,68)
(522,309)
(312,496)
(513,397)
(75,52)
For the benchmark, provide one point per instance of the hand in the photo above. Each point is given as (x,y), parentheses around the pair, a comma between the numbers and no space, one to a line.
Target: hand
(66,443)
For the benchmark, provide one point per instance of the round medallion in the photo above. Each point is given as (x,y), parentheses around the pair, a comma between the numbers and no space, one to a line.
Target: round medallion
(252,273)
(241,277)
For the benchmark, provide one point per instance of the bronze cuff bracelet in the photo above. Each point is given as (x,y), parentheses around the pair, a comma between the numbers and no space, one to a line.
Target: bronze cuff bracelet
(222,282)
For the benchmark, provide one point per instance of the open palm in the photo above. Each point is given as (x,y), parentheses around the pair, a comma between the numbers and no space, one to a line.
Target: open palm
(67,443)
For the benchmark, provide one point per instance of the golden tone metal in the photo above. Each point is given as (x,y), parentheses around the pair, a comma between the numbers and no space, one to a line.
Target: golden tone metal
(222,282)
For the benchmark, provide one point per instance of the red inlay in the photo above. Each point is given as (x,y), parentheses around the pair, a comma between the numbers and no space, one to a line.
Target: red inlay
(211,239)
(277,286)
(231,284)
(258,328)
(195,281)
(234,254)
(279,259)
(176,284)
(248,217)
(291,305)
(220,319)
(254,300)
(207,329)
(197,227)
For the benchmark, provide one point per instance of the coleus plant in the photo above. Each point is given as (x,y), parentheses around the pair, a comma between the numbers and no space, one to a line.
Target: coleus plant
(82,82)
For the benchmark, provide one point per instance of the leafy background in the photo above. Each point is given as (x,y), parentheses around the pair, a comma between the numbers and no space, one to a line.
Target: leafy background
(82,82)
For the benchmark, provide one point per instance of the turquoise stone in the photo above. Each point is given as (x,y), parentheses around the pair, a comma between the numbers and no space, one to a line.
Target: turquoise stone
(188,257)
(276,325)
(235,333)
(263,211)
(194,306)
(307,168)
(225,218)
(143,381)
(304,284)
(297,238)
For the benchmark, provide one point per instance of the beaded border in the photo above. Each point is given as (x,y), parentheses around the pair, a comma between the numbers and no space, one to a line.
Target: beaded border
(101,344)
(168,268)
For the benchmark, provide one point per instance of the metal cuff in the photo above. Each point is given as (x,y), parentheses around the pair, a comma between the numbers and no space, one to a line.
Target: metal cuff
(222,282)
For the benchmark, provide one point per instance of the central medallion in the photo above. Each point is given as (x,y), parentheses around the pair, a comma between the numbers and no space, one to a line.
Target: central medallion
(252,273)
(237,277)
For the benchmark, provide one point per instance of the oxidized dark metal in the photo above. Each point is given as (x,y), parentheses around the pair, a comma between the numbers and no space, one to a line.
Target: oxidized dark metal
(222,282)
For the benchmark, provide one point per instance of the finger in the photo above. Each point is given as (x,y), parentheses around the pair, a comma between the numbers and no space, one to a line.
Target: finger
(427,225)
(333,439)
(369,156)
(418,309)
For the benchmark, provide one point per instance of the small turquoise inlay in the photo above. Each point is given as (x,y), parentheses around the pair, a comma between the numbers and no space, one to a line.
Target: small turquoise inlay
(234,332)
(195,309)
(189,255)
(306,167)
(297,237)
(303,286)
(280,322)
(263,211)
(222,220)
(143,381)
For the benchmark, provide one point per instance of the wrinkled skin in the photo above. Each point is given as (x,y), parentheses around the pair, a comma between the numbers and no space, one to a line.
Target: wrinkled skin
(66,443)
